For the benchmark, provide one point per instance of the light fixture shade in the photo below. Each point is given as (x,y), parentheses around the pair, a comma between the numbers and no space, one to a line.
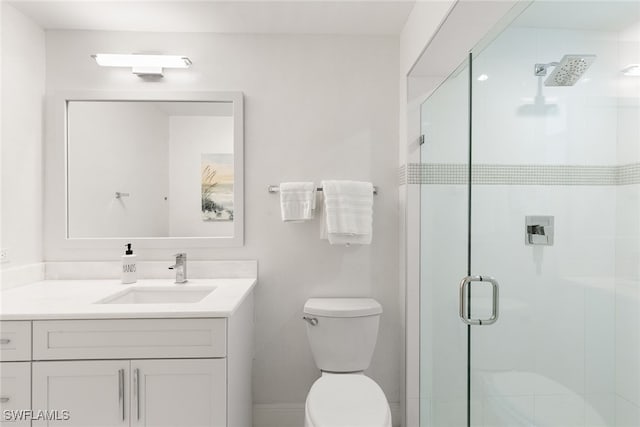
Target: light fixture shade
(142,64)
(631,70)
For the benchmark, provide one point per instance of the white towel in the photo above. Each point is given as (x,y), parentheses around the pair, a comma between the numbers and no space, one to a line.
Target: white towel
(297,201)
(348,212)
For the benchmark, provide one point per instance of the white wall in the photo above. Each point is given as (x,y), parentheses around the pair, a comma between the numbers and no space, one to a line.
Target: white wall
(118,147)
(23,86)
(315,107)
(189,138)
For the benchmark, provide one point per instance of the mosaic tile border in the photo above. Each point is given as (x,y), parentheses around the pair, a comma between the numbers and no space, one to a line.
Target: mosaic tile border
(402,175)
(440,173)
(629,174)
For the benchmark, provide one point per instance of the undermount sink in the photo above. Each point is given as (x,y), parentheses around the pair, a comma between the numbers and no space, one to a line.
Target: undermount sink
(159,295)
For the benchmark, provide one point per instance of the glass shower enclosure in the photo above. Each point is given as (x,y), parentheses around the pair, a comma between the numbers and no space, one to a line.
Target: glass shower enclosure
(530,225)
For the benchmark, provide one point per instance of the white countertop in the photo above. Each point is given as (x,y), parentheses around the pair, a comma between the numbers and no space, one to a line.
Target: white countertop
(76,299)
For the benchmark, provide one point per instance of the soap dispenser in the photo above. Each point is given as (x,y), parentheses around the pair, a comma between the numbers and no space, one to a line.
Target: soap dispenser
(128,265)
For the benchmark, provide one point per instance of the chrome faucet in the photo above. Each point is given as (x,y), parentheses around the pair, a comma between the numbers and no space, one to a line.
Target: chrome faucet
(180,267)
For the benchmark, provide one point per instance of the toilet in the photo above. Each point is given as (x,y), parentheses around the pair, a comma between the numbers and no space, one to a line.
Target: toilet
(342,333)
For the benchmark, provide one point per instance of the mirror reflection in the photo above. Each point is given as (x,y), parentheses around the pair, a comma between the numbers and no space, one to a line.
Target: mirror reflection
(144,169)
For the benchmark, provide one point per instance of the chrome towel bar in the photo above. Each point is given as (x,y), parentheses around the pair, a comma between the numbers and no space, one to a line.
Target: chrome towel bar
(276,189)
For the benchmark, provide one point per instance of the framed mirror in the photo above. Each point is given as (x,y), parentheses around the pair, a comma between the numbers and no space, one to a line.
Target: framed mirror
(156,169)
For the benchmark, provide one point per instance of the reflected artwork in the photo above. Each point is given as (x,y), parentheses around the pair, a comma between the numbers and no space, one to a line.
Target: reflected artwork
(217,186)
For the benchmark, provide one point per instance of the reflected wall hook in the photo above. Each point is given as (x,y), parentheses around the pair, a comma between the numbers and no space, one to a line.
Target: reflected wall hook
(120,195)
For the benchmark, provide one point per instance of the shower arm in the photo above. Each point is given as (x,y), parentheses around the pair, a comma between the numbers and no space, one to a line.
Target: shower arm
(540,70)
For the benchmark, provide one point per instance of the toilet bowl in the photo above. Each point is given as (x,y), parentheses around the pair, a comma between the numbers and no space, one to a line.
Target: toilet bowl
(346,400)
(342,333)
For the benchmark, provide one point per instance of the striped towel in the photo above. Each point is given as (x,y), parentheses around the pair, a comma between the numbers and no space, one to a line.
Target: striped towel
(348,212)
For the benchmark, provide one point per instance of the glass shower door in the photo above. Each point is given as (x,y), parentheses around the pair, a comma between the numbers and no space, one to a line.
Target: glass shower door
(554,217)
(530,174)
(444,252)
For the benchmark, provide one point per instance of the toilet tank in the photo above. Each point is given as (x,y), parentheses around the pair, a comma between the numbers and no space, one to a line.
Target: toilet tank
(344,333)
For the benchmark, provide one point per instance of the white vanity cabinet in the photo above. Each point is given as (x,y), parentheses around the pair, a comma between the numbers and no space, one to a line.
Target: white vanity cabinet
(141,372)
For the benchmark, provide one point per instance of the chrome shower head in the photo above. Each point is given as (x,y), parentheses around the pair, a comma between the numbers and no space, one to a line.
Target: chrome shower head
(566,72)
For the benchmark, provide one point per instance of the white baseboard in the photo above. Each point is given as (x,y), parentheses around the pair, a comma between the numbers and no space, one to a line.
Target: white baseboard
(21,275)
(292,414)
(278,415)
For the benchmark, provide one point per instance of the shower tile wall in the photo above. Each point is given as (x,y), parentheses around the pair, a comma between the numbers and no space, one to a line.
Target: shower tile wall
(558,301)
(565,350)
(627,296)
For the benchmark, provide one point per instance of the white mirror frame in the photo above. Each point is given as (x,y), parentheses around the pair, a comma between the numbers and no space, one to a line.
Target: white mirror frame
(56,197)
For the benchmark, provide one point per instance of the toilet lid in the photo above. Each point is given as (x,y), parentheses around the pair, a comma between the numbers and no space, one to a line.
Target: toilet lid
(347,400)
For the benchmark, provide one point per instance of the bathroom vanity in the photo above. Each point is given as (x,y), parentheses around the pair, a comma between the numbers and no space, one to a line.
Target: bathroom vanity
(149,354)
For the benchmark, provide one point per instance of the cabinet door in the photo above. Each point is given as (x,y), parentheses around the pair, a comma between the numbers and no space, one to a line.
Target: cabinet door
(15,341)
(15,393)
(180,392)
(95,393)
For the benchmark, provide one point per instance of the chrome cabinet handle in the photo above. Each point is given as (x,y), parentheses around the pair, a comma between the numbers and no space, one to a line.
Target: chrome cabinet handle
(4,399)
(5,341)
(464,312)
(136,392)
(121,393)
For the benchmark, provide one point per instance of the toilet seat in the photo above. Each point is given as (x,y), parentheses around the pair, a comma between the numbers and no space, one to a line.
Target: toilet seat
(346,400)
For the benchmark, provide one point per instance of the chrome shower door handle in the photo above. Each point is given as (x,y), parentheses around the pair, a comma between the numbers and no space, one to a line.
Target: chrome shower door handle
(465,315)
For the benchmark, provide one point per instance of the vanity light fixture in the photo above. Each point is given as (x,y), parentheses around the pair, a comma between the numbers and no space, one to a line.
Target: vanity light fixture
(142,64)
(631,70)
